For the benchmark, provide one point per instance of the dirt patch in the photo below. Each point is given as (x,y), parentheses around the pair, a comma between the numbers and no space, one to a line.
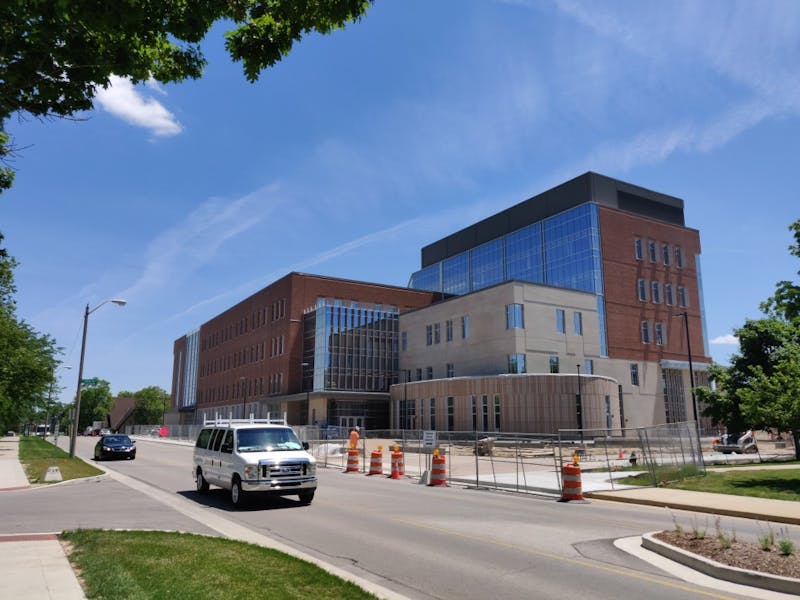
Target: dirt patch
(744,555)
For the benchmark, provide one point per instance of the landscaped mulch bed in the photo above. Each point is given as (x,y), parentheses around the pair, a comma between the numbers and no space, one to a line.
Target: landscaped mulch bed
(744,555)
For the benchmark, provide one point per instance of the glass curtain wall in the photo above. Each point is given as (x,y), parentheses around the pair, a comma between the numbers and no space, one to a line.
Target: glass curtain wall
(562,251)
(355,345)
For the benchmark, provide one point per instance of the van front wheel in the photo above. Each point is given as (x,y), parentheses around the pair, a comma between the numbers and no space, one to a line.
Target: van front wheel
(306,496)
(237,493)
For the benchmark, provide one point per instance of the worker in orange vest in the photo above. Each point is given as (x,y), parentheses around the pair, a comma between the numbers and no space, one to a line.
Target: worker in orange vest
(354,437)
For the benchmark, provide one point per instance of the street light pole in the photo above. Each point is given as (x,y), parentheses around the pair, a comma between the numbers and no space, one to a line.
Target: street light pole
(685,315)
(579,403)
(77,411)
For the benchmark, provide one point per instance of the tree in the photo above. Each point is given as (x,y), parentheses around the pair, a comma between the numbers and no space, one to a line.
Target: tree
(774,398)
(151,404)
(56,54)
(96,403)
(27,358)
(761,388)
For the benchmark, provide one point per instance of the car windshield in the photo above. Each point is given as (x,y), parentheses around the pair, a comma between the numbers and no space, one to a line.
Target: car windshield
(116,439)
(267,440)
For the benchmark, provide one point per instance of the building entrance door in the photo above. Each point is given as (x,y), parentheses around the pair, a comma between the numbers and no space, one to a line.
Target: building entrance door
(347,423)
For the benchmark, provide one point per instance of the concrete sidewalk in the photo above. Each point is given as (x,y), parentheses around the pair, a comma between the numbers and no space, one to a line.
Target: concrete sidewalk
(34,566)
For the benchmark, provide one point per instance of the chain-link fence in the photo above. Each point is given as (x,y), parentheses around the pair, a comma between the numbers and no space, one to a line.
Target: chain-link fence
(520,462)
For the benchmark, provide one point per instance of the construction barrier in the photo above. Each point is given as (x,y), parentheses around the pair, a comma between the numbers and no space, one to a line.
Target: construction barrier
(398,464)
(438,470)
(352,461)
(376,462)
(571,488)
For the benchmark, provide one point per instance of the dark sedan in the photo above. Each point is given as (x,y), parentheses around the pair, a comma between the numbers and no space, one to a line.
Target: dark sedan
(115,445)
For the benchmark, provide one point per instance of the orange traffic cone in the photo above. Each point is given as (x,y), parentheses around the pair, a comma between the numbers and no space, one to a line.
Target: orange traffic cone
(376,462)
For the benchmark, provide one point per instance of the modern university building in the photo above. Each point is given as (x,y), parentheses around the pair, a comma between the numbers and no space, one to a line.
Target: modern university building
(587,291)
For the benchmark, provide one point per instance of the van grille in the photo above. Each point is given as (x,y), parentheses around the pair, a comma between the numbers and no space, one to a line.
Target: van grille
(283,470)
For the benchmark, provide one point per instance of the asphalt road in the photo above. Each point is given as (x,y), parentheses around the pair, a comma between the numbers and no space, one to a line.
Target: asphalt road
(418,541)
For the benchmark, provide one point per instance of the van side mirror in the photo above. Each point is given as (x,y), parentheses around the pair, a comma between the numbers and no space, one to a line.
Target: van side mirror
(305,446)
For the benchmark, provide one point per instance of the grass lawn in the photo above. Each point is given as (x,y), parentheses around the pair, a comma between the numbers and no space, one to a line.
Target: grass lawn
(779,484)
(37,454)
(142,565)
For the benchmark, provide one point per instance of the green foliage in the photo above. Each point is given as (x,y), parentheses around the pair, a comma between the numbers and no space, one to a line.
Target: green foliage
(27,358)
(57,54)
(767,539)
(786,546)
(151,404)
(761,388)
(96,403)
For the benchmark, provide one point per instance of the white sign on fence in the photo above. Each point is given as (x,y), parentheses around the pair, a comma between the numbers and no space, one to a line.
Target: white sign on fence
(429,439)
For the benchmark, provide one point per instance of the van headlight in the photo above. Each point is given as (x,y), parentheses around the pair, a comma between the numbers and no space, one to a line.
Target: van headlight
(251,472)
(310,469)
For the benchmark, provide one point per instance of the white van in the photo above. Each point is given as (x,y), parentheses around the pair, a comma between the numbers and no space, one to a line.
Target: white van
(253,455)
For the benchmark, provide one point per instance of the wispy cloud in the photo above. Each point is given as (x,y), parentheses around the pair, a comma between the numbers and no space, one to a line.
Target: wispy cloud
(183,248)
(123,100)
(725,340)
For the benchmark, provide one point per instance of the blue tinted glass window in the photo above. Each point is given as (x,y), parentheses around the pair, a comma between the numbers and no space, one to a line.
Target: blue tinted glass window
(572,250)
(514,317)
(560,320)
(516,363)
(524,257)
(455,274)
(429,279)
(487,264)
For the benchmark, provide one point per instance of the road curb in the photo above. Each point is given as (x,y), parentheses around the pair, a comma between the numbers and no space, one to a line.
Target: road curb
(767,581)
(714,510)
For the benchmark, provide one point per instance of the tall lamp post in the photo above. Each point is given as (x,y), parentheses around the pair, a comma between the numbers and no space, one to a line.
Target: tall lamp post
(77,413)
(685,316)
(579,404)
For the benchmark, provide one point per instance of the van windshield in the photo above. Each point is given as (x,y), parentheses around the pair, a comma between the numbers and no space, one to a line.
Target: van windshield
(267,440)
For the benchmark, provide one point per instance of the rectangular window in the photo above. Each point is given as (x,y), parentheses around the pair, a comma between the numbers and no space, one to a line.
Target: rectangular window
(465,327)
(403,341)
(641,286)
(669,299)
(514,317)
(428,335)
(645,332)
(449,330)
(577,322)
(497,412)
(637,249)
(656,292)
(432,413)
(516,363)
(554,364)
(652,251)
(485,407)
(679,256)
(588,366)
(451,370)
(560,326)
(634,374)
(451,409)
(428,372)
(682,296)
(437,333)
(665,252)
(419,374)
(660,334)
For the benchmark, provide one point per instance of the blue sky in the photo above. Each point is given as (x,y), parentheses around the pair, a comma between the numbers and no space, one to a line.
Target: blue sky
(365,145)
